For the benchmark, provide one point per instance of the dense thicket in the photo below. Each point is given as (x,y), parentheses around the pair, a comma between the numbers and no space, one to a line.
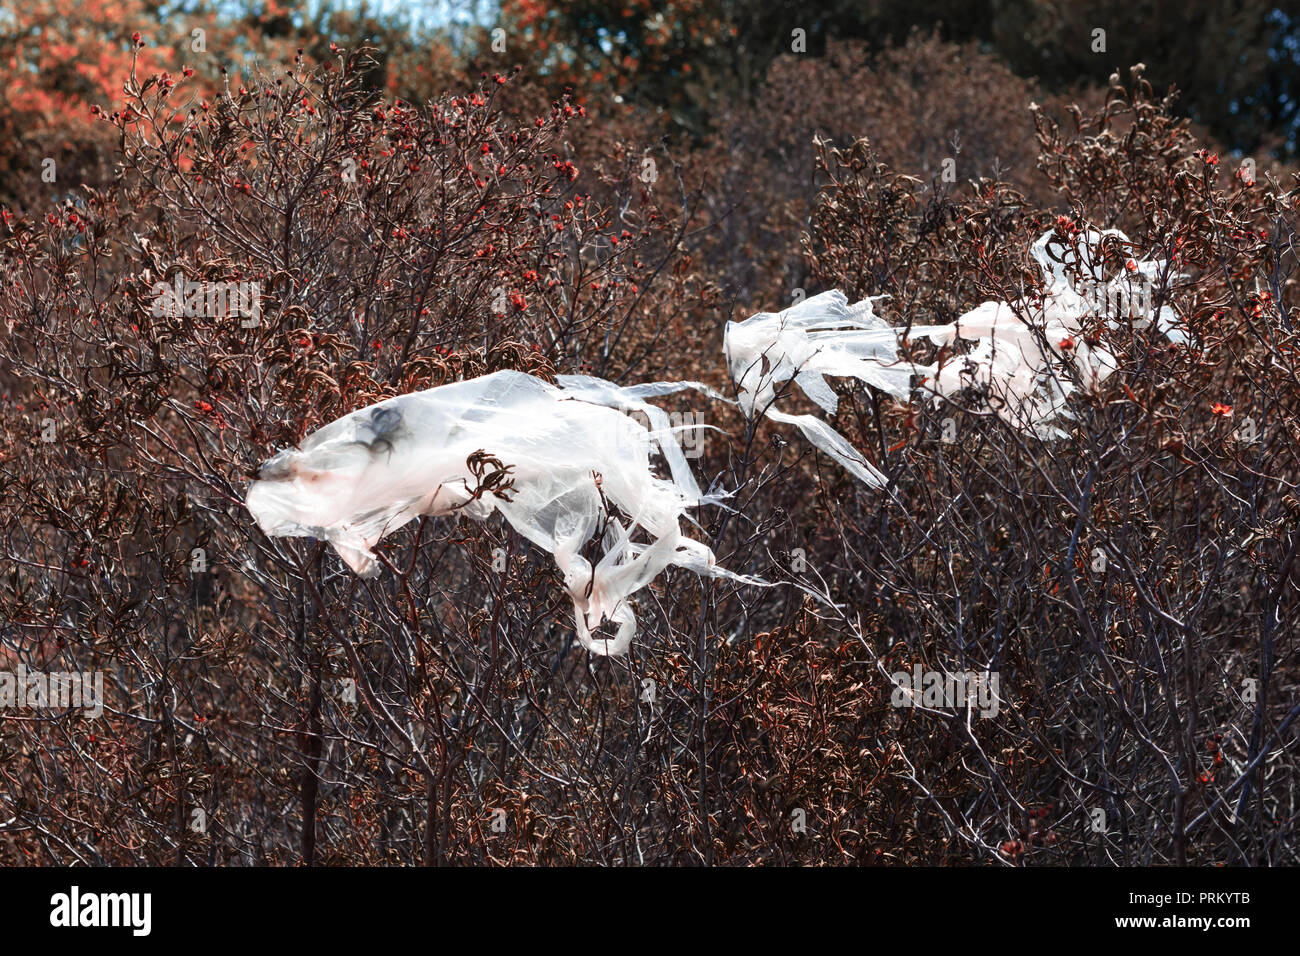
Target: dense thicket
(1133,585)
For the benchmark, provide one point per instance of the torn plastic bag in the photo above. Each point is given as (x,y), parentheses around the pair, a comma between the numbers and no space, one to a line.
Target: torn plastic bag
(1025,353)
(578,474)
(1075,282)
(1019,364)
(822,335)
(632,398)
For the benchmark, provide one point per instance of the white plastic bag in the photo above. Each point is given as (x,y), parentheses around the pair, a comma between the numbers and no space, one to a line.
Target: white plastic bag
(823,335)
(579,469)
(1026,359)
(1029,355)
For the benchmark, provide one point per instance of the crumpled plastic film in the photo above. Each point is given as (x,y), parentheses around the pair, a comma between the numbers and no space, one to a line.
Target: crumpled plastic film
(632,398)
(579,475)
(1019,361)
(820,336)
(1022,349)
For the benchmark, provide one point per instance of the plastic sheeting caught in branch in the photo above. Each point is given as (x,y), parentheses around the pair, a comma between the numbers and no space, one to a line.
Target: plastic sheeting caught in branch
(821,336)
(563,465)
(1031,356)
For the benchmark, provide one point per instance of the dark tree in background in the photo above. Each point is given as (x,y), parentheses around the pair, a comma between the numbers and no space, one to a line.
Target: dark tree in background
(1237,63)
